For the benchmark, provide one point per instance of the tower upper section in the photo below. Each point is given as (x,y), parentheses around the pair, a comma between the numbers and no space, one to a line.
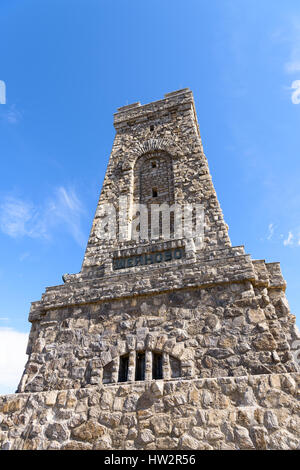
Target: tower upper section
(157,158)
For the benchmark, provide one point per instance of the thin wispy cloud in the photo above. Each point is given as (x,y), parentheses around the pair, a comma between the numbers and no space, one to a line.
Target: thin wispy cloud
(24,255)
(289,239)
(66,208)
(20,218)
(17,218)
(270,231)
(292,239)
(10,114)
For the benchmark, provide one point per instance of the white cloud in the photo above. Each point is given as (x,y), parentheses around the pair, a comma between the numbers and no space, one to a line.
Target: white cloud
(19,218)
(12,358)
(289,239)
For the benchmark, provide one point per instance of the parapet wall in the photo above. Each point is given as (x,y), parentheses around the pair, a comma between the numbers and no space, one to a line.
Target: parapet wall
(250,412)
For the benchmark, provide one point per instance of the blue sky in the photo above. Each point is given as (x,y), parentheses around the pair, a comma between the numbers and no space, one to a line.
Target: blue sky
(67,66)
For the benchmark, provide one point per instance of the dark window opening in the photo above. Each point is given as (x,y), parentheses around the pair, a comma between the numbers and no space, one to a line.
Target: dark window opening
(140,366)
(157,371)
(123,369)
(154,192)
(151,128)
(175,367)
(107,373)
(153,164)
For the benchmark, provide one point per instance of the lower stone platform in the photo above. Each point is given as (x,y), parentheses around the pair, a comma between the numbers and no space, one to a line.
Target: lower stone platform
(248,412)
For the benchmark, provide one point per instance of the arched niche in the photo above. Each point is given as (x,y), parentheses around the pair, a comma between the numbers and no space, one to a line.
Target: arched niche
(153,179)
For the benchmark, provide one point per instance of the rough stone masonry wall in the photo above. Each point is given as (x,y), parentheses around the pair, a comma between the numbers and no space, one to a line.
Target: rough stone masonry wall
(224,330)
(254,412)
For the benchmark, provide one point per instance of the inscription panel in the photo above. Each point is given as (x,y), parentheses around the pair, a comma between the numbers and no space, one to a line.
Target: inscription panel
(149,258)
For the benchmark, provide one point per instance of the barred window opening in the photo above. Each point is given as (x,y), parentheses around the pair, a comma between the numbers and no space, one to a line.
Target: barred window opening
(157,369)
(107,373)
(175,367)
(123,369)
(140,366)
(160,366)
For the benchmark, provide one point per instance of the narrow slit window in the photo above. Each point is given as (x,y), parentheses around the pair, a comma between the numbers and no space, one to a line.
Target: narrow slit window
(175,367)
(140,366)
(123,370)
(107,373)
(153,164)
(157,370)
(154,192)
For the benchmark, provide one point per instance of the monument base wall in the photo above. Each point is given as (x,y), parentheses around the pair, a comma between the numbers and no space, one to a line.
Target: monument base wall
(247,412)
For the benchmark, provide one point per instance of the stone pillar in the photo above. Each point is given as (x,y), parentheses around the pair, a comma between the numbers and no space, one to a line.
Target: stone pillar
(115,370)
(108,267)
(166,366)
(97,376)
(148,365)
(131,366)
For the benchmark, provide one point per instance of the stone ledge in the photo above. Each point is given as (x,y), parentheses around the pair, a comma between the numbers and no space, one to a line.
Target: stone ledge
(144,384)
(189,275)
(177,92)
(129,106)
(268,275)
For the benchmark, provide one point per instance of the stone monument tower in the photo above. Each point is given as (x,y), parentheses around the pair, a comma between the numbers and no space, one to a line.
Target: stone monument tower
(169,337)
